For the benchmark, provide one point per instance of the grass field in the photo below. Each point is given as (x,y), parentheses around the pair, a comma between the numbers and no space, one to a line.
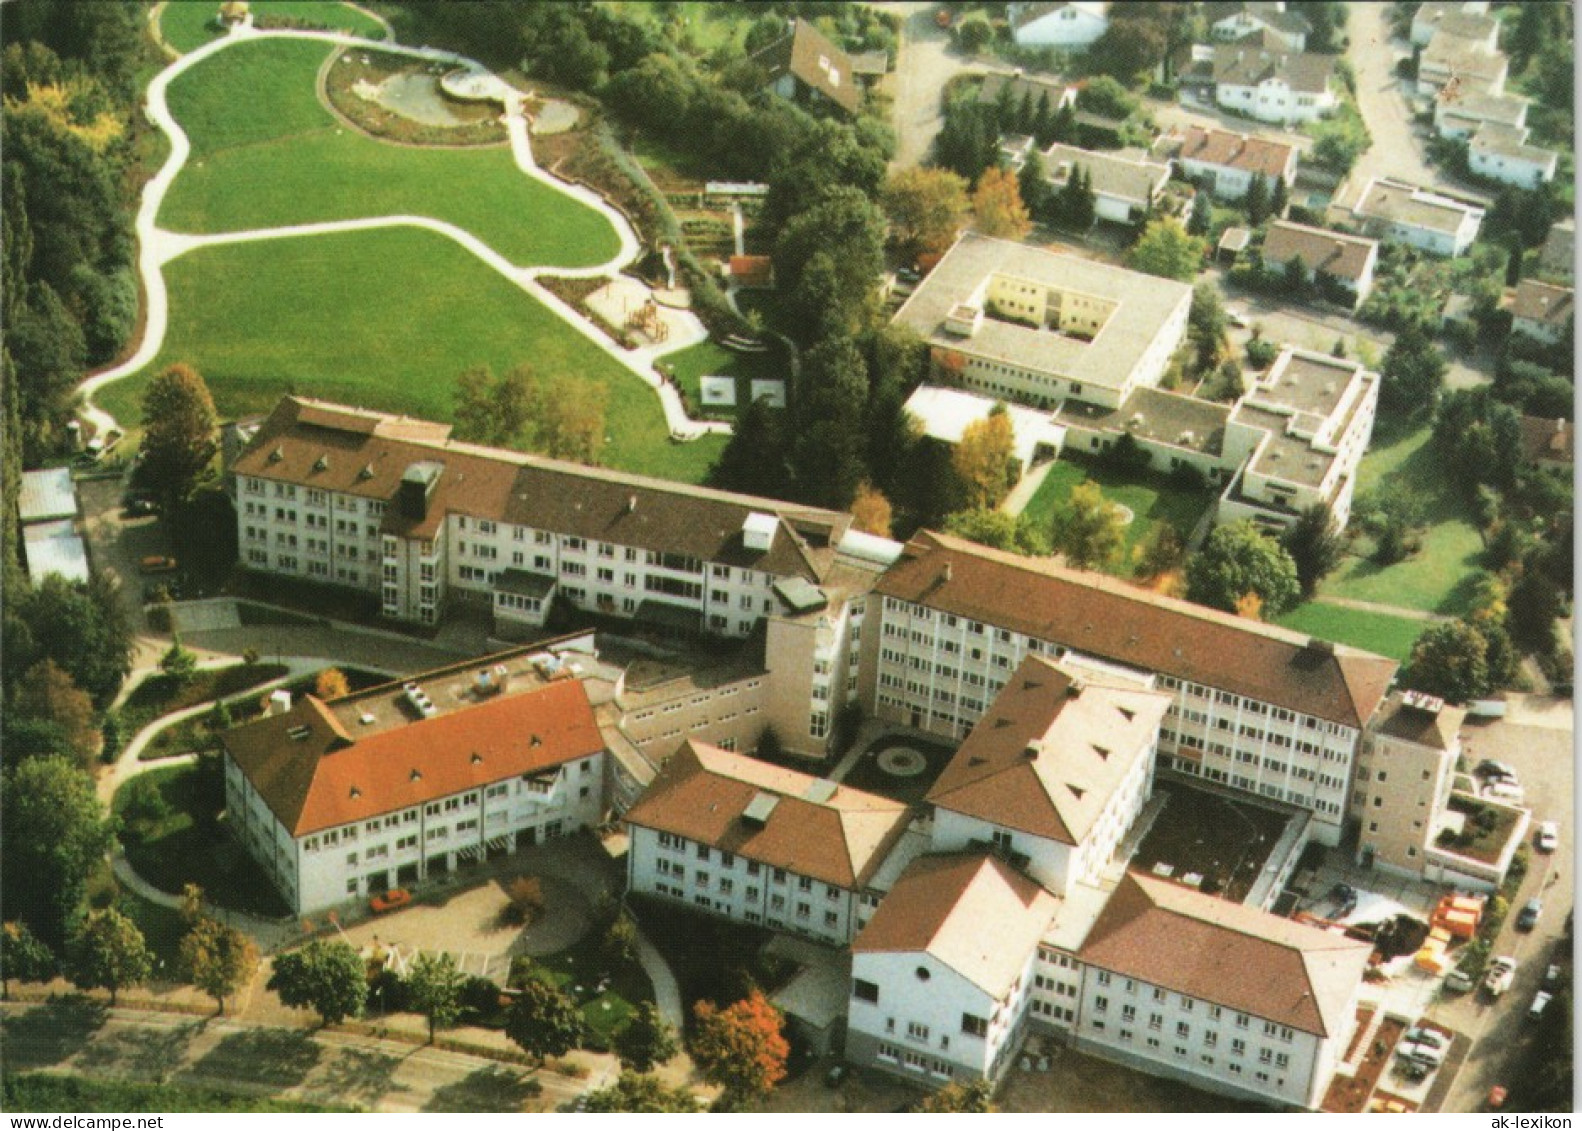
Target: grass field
(1151,498)
(1439,577)
(277,157)
(42,1091)
(385,320)
(1374,632)
(189,24)
(710,359)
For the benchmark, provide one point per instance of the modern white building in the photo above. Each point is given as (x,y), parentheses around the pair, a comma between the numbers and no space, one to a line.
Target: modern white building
(1460,111)
(941,976)
(1463,51)
(1256,708)
(1023,324)
(1058,777)
(1401,213)
(1502,154)
(1274,86)
(1065,24)
(47,509)
(759,844)
(341,799)
(1226,163)
(946,414)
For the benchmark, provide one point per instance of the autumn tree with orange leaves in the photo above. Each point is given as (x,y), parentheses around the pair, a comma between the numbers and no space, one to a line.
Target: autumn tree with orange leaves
(741,1048)
(999,207)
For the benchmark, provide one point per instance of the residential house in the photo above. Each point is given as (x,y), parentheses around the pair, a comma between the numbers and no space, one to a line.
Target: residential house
(1022,324)
(941,975)
(1125,184)
(1187,986)
(760,844)
(1557,258)
(1274,86)
(1257,708)
(1054,775)
(1337,262)
(1066,24)
(1229,22)
(340,799)
(1502,154)
(1464,50)
(805,66)
(1226,162)
(1548,441)
(1020,88)
(1402,213)
(1426,20)
(1459,111)
(1542,311)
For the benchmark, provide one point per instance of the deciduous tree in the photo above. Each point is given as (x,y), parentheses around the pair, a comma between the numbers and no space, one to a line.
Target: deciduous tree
(331,684)
(109,953)
(870,511)
(543,1021)
(326,977)
(641,1093)
(1089,529)
(51,695)
(1315,545)
(56,835)
(1013,533)
(1412,372)
(434,986)
(997,203)
(646,1040)
(985,460)
(218,959)
(24,957)
(1450,660)
(181,434)
(1239,559)
(955,1099)
(741,1048)
(926,208)
(1165,249)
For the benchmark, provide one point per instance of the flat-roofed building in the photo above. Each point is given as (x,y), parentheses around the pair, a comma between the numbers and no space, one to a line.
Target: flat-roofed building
(1224,996)
(1054,774)
(1406,770)
(1501,153)
(760,844)
(1459,111)
(1256,708)
(1034,326)
(1542,311)
(1401,213)
(942,973)
(1227,162)
(946,414)
(344,798)
(1425,21)
(1339,264)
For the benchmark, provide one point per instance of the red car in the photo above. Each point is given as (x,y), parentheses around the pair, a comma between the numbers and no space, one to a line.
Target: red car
(1497,1096)
(391,900)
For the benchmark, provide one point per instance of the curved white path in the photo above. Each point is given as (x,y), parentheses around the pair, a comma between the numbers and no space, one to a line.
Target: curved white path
(157,246)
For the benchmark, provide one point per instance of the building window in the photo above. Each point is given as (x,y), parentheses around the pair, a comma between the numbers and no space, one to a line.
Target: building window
(864,990)
(974,1026)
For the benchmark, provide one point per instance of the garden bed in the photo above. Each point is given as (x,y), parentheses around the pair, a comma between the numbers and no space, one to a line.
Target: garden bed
(354,72)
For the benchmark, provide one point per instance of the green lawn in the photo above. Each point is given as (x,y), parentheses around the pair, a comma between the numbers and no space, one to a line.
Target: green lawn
(1152,498)
(580,971)
(710,359)
(1374,632)
(276,157)
(386,320)
(189,24)
(1439,577)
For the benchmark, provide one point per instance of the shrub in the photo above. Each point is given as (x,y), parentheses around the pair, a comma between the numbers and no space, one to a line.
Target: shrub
(1261,353)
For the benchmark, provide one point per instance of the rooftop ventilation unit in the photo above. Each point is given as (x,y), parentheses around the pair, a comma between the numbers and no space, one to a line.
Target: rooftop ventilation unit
(759,808)
(759,530)
(298,734)
(419,700)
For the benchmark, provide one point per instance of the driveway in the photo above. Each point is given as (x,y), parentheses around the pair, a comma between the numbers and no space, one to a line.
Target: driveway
(923,67)
(1397,150)
(1536,738)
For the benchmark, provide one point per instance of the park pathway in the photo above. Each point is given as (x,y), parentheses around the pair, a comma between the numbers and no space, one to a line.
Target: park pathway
(158,246)
(1386,610)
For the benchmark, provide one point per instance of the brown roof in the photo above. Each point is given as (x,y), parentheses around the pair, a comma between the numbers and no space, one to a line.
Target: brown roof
(1049,753)
(808,826)
(1543,303)
(1268,13)
(1236,151)
(320,445)
(1239,65)
(328,776)
(971,912)
(1550,440)
(1100,616)
(1228,954)
(807,54)
(1420,719)
(753,270)
(1333,253)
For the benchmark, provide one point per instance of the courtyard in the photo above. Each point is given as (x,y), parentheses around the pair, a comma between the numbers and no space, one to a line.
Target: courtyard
(1208,841)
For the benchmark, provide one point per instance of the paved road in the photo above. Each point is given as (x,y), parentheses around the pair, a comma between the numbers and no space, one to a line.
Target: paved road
(320,1067)
(1397,150)
(1536,739)
(922,68)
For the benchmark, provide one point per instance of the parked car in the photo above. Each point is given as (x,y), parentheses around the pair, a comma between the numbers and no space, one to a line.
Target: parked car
(1458,981)
(1548,838)
(390,901)
(1497,1096)
(1502,972)
(1492,768)
(1535,1011)
(1422,1036)
(1430,1055)
(1527,917)
(1506,791)
(158,563)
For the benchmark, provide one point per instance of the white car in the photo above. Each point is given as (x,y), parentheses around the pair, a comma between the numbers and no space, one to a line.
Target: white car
(1505,791)
(1536,1010)
(1502,972)
(1548,838)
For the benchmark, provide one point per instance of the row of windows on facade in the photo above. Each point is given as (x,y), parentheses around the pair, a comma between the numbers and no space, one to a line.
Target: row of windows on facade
(1321,805)
(1182,1051)
(777,908)
(703,852)
(1186,1005)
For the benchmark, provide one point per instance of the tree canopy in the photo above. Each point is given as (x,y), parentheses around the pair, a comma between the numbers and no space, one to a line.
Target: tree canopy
(984,458)
(56,835)
(543,1021)
(997,204)
(1239,560)
(926,209)
(1316,546)
(1165,249)
(1088,529)
(1450,660)
(646,1040)
(640,1093)
(218,959)
(326,977)
(109,953)
(742,1048)
(1412,372)
(180,434)
(433,986)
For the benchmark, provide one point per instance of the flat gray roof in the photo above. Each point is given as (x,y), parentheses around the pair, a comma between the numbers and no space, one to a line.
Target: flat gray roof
(1402,204)
(1145,303)
(1166,418)
(1308,383)
(46,495)
(1283,456)
(54,547)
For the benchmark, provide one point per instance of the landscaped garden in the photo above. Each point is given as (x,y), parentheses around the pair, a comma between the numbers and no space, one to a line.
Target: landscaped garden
(188,24)
(170,827)
(1152,498)
(710,359)
(161,694)
(607,992)
(385,320)
(277,157)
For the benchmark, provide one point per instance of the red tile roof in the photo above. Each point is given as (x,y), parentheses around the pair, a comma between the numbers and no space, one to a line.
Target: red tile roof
(327,776)
(1108,619)
(1231,955)
(1237,151)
